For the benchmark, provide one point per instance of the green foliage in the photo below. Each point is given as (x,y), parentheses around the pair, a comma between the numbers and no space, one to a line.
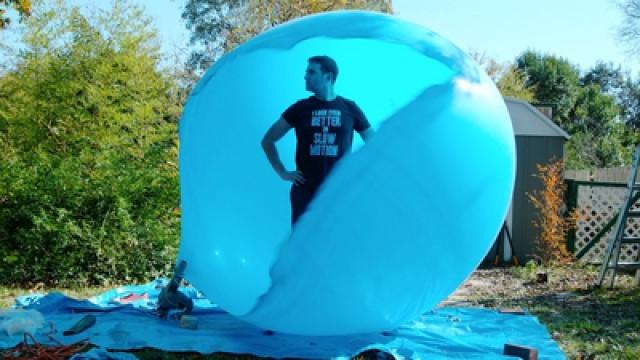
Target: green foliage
(527,272)
(513,83)
(510,80)
(586,151)
(629,101)
(621,86)
(554,80)
(593,112)
(602,120)
(599,137)
(88,187)
(63,223)
(607,75)
(594,109)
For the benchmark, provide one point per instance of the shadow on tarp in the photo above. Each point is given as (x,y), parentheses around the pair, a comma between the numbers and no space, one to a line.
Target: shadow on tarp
(126,320)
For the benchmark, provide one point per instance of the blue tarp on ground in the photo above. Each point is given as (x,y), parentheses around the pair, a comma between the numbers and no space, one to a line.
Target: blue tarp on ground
(445,333)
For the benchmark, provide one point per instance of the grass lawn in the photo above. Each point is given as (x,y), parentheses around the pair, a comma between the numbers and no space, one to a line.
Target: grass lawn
(588,323)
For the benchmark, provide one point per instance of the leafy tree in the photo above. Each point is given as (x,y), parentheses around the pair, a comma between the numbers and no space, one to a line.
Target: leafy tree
(218,26)
(585,150)
(608,76)
(593,111)
(621,86)
(23,7)
(513,82)
(629,34)
(87,85)
(554,80)
(88,143)
(510,80)
(599,136)
(592,108)
(629,101)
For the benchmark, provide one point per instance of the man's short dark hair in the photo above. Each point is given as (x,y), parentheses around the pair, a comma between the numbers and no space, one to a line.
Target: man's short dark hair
(327,64)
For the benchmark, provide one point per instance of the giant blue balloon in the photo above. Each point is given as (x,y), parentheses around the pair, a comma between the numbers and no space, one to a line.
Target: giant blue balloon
(399,223)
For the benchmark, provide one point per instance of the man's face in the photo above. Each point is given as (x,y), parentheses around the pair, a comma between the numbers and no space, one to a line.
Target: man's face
(314,79)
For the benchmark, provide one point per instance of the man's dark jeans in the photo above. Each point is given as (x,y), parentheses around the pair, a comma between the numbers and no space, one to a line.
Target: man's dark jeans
(300,197)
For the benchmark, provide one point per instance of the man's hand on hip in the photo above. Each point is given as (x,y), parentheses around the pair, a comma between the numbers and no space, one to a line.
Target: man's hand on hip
(295,177)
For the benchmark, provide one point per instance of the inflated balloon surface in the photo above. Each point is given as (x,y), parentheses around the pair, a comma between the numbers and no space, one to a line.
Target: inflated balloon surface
(399,223)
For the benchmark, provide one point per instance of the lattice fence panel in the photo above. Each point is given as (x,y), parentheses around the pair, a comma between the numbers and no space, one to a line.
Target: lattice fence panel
(597,205)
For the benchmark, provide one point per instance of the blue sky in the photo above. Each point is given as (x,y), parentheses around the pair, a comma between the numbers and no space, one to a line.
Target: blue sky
(582,31)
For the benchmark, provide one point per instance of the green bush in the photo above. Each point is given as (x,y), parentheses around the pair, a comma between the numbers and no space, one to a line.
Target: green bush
(89,189)
(64,222)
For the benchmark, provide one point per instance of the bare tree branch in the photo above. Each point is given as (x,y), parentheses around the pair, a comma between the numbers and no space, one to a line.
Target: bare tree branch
(629,30)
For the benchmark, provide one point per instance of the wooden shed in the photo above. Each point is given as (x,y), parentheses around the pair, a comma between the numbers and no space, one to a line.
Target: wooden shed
(538,141)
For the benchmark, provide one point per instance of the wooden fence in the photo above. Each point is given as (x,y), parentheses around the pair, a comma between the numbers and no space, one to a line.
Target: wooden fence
(598,194)
(614,175)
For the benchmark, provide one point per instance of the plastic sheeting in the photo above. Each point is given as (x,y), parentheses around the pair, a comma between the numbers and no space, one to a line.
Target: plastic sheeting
(445,333)
(399,223)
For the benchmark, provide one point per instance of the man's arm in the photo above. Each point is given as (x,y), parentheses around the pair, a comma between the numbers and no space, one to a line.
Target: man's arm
(275,133)
(361,124)
(367,133)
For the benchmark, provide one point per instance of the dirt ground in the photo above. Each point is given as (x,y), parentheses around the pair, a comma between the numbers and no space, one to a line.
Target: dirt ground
(588,322)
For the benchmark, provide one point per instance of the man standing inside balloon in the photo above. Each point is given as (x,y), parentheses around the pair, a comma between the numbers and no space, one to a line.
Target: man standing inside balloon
(324,124)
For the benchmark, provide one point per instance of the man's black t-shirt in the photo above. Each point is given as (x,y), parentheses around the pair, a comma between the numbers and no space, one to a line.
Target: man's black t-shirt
(324,130)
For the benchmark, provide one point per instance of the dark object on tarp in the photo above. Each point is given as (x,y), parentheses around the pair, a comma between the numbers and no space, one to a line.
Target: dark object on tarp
(375,354)
(189,322)
(522,352)
(83,324)
(171,298)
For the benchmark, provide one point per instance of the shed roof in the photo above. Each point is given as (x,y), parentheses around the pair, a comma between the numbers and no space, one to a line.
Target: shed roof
(529,121)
